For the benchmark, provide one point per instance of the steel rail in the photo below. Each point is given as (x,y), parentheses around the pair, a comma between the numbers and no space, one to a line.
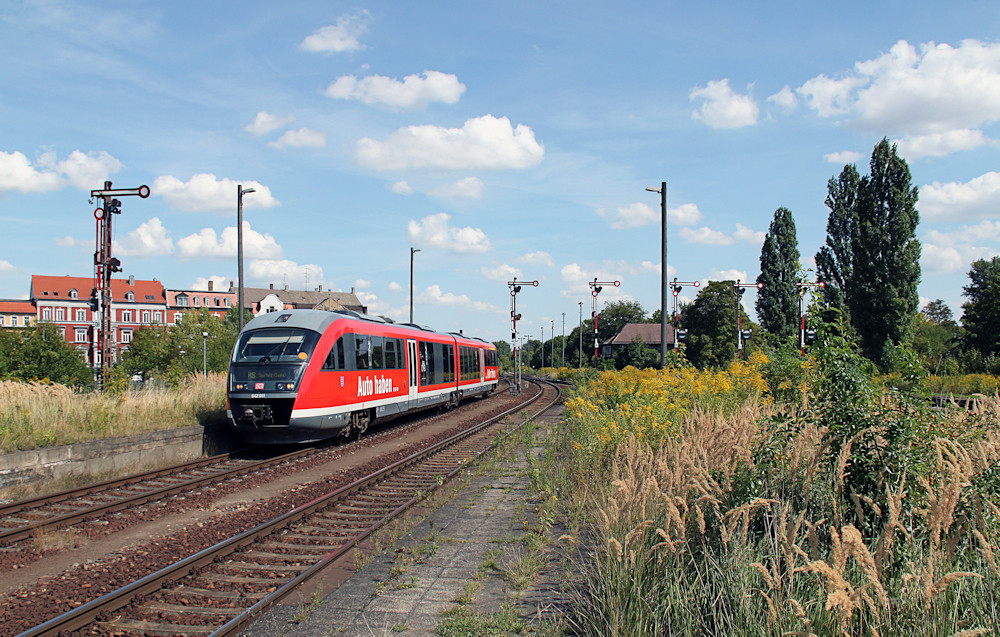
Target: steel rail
(90,612)
(59,521)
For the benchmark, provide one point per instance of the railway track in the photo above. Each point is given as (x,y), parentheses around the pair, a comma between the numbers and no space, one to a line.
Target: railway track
(22,519)
(222,589)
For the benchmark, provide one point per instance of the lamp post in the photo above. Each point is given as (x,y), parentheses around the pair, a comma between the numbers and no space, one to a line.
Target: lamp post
(204,354)
(663,272)
(579,354)
(564,341)
(240,191)
(412,252)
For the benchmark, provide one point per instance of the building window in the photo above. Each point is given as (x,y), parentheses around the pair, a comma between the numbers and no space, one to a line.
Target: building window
(60,314)
(177,317)
(126,336)
(196,301)
(157,317)
(46,313)
(24,321)
(129,296)
(81,315)
(182,300)
(3,320)
(146,316)
(126,316)
(228,302)
(81,335)
(73,294)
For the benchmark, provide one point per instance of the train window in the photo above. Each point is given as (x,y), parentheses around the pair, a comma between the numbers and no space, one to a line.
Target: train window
(426,363)
(448,364)
(337,358)
(362,351)
(394,353)
(275,345)
(377,348)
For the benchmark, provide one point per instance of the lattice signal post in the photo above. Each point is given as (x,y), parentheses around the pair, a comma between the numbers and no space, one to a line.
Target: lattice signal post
(742,334)
(515,287)
(104,266)
(806,336)
(595,289)
(676,287)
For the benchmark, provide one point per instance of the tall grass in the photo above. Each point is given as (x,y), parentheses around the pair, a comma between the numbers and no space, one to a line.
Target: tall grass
(754,519)
(34,415)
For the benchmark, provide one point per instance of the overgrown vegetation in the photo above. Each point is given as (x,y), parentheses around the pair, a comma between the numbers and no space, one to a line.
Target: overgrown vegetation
(717,503)
(40,414)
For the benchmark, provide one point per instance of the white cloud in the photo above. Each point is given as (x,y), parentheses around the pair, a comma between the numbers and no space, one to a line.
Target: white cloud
(150,239)
(401,188)
(302,138)
(630,216)
(537,258)
(395,287)
(842,157)
(70,242)
(87,171)
(206,193)
(975,199)
(340,37)
(285,272)
(707,236)
(915,94)
(415,91)
(266,122)
(727,275)
(785,98)
(950,252)
(433,231)
(6,266)
(484,143)
(747,234)
(467,188)
(435,296)
(362,283)
(940,144)
(501,273)
(722,108)
(219,283)
(207,244)
(576,281)
(686,214)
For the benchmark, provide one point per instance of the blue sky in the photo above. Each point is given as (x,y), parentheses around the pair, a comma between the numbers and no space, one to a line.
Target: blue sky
(502,139)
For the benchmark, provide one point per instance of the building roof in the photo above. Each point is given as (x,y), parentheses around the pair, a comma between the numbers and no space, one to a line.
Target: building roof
(648,332)
(15,306)
(59,287)
(307,299)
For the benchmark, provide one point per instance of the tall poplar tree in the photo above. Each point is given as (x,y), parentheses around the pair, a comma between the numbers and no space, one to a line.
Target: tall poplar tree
(777,300)
(981,316)
(881,292)
(834,261)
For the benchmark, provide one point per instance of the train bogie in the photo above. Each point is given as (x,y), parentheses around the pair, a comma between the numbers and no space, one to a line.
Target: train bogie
(306,375)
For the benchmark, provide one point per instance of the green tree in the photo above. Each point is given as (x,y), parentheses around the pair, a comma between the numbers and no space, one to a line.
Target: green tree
(834,261)
(638,355)
(711,323)
(981,317)
(615,316)
(41,351)
(882,291)
(778,299)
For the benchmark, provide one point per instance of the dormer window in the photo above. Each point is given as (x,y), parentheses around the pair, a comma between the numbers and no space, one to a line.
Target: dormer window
(129,296)
(73,294)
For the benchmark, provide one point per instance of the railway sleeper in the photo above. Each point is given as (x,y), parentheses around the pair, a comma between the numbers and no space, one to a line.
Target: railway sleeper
(238,579)
(266,568)
(181,609)
(186,592)
(154,629)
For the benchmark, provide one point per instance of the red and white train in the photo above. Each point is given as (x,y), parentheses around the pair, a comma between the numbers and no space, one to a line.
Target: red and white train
(305,375)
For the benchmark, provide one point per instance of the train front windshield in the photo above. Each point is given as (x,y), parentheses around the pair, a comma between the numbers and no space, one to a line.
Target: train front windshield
(275,345)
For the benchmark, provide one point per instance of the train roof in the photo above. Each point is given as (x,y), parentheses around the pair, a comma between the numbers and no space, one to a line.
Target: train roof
(319,320)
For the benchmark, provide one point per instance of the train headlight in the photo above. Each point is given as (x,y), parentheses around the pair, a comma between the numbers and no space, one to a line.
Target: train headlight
(240,386)
(287,386)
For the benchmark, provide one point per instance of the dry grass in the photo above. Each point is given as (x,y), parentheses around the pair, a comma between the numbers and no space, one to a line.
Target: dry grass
(701,537)
(35,415)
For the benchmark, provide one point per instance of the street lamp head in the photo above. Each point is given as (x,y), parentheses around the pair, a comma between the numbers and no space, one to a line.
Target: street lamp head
(653,189)
(244,191)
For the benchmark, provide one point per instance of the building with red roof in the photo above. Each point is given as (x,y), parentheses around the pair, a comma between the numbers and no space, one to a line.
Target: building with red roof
(16,313)
(65,302)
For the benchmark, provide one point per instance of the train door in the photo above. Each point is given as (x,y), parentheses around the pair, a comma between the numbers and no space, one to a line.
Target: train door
(482,365)
(414,366)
